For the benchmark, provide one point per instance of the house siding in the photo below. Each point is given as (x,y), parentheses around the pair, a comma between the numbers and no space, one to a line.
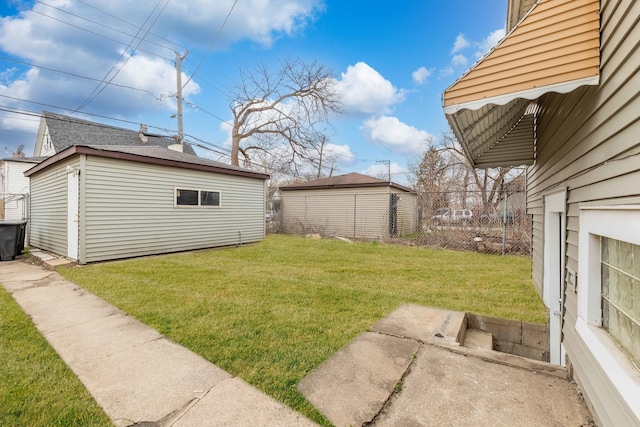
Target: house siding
(334,212)
(129,210)
(593,152)
(48,215)
(15,190)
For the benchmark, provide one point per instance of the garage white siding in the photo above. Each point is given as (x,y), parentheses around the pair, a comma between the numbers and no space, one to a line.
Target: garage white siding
(129,210)
(48,218)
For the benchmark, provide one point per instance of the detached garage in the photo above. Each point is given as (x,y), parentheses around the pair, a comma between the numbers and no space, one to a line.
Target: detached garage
(97,203)
(353,205)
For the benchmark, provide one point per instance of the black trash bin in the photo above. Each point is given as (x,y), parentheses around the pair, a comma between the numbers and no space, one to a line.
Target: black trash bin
(11,239)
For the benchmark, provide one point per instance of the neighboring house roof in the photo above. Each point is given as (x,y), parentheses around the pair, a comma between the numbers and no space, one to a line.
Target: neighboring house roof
(151,155)
(65,131)
(350,180)
(23,159)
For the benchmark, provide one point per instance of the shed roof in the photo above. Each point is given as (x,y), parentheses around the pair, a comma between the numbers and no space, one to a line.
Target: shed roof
(555,47)
(151,155)
(66,131)
(350,180)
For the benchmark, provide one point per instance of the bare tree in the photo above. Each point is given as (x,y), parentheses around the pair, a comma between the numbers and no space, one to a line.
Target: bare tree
(489,182)
(288,107)
(444,171)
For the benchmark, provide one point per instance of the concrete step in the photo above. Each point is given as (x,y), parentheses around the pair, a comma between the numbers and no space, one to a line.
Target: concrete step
(475,338)
(424,324)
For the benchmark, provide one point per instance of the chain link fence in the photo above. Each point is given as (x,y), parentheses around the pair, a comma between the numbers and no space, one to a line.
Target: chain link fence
(14,207)
(472,221)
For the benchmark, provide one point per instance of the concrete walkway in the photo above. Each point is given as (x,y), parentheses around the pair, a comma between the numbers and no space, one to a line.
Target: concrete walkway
(135,374)
(408,370)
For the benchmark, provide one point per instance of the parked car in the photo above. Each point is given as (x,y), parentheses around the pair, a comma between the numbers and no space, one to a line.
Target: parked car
(268,216)
(452,216)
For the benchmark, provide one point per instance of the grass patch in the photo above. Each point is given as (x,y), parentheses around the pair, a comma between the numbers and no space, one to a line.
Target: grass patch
(36,387)
(271,312)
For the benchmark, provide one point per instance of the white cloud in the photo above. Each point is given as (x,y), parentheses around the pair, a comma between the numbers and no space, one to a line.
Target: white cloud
(340,153)
(489,42)
(420,75)
(459,61)
(395,135)
(53,37)
(461,43)
(364,90)
(382,171)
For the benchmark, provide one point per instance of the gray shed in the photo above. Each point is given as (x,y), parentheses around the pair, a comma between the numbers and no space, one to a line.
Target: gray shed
(96,203)
(352,205)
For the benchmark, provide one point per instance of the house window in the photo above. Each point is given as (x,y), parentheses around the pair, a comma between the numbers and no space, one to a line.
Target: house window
(621,294)
(608,295)
(185,197)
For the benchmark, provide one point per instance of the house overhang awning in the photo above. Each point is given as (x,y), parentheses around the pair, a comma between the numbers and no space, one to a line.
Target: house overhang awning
(492,108)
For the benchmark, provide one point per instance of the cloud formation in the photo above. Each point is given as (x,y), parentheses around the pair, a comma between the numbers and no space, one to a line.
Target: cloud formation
(459,61)
(381,171)
(489,42)
(461,43)
(365,91)
(420,75)
(389,132)
(121,53)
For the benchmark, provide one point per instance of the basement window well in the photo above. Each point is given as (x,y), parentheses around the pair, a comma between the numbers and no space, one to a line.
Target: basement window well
(187,197)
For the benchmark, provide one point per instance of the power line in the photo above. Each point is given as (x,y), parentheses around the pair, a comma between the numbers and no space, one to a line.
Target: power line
(100,24)
(96,33)
(97,92)
(212,42)
(218,149)
(218,86)
(77,76)
(134,26)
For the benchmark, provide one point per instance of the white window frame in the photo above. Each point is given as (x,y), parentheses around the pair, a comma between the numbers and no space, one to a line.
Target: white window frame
(198,206)
(620,223)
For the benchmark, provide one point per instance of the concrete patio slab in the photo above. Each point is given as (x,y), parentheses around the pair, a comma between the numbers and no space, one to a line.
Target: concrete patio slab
(351,387)
(446,388)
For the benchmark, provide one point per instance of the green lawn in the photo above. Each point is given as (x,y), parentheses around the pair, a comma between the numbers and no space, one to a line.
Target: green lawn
(271,312)
(36,387)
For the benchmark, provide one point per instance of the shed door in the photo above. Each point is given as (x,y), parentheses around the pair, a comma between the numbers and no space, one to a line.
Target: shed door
(72,214)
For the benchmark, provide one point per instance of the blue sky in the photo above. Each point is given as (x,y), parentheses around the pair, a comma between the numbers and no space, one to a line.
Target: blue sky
(392,61)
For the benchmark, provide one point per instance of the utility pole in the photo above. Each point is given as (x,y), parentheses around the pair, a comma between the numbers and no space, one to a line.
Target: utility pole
(388,163)
(179,93)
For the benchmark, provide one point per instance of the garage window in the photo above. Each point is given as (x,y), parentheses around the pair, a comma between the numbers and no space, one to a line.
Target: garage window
(187,197)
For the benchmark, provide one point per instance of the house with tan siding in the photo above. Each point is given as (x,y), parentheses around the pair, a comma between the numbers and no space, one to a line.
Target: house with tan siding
(97,203)
(561,94)
(351,206)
